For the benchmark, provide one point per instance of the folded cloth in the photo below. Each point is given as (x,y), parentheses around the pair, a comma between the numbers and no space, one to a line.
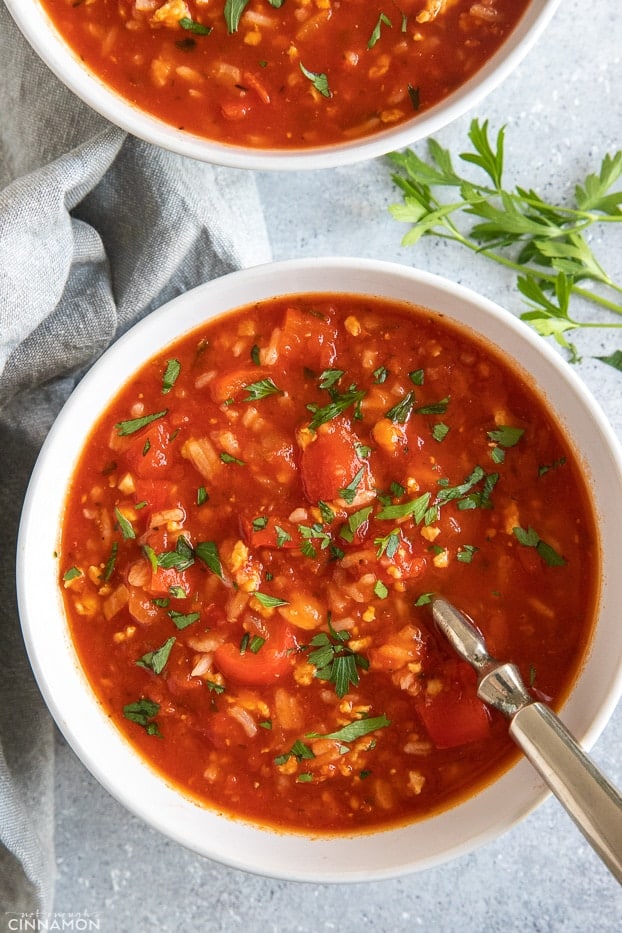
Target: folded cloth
(97,229)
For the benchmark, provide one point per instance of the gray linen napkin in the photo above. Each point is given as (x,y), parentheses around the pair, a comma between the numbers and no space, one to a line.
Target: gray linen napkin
(96,230)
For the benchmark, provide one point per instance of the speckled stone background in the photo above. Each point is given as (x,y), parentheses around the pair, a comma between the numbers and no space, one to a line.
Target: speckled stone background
(563,111)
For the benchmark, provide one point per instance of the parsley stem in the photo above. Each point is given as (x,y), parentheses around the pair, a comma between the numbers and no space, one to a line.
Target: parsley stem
(585,293)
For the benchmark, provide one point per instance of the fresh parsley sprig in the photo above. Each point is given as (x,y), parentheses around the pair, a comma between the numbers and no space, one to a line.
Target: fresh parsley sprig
(334,661)
(543,243)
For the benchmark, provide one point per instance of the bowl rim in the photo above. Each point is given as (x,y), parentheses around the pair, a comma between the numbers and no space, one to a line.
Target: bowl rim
(106,753)
(40,32)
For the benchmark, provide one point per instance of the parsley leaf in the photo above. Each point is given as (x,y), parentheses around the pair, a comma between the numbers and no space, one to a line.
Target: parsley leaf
(261,389)
(196,28)
(334,661)
(336,407)
(125,428)
(353,730)
(318,79)
(171,375)
(530,538)
(156,660)
(542,242)
(142,712)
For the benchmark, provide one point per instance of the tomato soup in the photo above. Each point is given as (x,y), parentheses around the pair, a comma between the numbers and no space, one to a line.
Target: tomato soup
(284,73)
(255,530)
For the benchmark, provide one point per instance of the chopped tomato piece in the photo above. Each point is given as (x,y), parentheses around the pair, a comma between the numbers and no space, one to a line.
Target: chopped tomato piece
(456,715)
(235,109)
(158,494)
(254,669)
(305,331)
(147,453)
(330,463)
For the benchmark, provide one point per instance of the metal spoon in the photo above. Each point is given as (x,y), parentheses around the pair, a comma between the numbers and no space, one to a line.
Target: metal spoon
(591,800)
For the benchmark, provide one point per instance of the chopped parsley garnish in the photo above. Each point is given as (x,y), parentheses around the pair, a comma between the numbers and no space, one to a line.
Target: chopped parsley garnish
(383,20)
(435,408)
(388,544)
(214,687)
(318,79)
(417,377)
(530,538)
(142,712)
(261,389)
(282,536)
(334,661)
(542,470)
(413,507)
(233,12)
(183,619)
(171,374)
(269,602)
(310,533)
(381,590)
(299,750)
(179,559)
(336,407)
(71,574)
(207,551)
(402,410)
(228,458)
(353,730)
(440,431)
(125,526)
(354,522)
(256,643)
(156,660)
(424,600)
(380,375)
(348,493)
(330,377)
(466,553)
(110,563)
(503,437)
(326,512)
(260,522)
(202,495)
(196,28)
(124,428)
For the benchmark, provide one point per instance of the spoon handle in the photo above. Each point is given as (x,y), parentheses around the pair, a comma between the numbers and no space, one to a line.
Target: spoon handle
(593,803)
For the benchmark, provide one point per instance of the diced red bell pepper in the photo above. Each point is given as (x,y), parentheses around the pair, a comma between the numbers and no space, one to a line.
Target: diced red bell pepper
(456,715)
(147,453)
(158,494)
(330,462)
(308,334)
(254,669)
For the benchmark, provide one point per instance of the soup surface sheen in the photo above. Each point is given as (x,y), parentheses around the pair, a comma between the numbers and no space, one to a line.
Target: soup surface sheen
(289,74)
(252,537)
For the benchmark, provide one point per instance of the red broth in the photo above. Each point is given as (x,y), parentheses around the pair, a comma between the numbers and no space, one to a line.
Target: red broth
(292,75)
(252,536)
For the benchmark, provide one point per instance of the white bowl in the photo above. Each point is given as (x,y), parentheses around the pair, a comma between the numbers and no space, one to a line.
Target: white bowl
(109,756)
(67,66)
